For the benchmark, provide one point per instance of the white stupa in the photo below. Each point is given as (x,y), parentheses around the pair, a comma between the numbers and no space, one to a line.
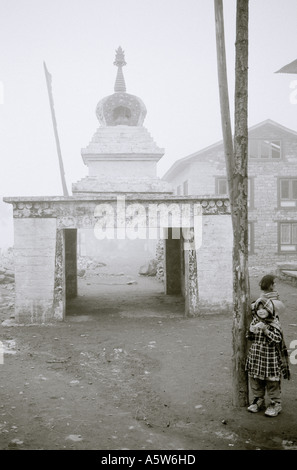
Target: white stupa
(122,156)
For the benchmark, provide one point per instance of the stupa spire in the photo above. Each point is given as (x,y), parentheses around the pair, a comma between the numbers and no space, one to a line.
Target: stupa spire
(120,62)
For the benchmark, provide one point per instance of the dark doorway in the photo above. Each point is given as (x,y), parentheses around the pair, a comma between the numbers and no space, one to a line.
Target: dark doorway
(71,262)
(174,260)
(102,279)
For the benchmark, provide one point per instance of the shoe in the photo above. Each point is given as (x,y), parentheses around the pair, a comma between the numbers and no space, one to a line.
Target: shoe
(273,409)
(257,405)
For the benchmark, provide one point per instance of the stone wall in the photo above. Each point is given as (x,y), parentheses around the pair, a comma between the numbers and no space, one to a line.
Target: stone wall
(214,264)
(34,250)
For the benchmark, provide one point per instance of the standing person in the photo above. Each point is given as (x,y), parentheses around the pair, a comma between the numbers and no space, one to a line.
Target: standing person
(267,358)
(267,286)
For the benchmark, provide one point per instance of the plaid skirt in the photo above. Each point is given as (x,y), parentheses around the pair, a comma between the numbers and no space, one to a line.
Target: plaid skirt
(263,362)
(264,359)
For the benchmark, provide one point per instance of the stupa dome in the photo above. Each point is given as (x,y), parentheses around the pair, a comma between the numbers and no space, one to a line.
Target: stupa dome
(120,108)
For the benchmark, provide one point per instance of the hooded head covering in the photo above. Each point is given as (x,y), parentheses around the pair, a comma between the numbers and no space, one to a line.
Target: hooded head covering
(267,304)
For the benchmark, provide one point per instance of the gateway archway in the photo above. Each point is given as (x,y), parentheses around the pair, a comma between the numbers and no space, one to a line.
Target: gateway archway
(109,272)
(45,268)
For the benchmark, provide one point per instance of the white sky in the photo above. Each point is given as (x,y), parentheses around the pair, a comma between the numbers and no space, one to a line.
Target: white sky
(170,52)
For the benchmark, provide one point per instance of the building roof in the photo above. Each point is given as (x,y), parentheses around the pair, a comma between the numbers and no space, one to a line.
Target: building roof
(289,68)
(182,162)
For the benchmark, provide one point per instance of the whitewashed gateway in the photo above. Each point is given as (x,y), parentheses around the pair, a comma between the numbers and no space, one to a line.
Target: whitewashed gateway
(121,197)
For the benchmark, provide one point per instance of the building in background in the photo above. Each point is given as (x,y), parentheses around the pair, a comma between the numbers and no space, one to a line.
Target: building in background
(272,189)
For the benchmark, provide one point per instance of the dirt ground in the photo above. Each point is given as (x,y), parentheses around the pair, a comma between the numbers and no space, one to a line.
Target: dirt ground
(127,371)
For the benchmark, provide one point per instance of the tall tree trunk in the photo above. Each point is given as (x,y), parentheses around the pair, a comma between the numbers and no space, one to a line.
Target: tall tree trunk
(237,174)
(241,286)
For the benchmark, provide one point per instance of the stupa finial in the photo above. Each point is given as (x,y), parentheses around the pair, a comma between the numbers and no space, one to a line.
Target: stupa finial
(120,57)
(120,62)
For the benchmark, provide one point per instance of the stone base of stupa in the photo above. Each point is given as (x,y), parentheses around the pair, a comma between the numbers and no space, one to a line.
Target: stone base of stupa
(92,185)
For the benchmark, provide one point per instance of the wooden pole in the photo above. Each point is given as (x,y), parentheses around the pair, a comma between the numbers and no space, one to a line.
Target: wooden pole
(224,94)
(236,166)
(48,78)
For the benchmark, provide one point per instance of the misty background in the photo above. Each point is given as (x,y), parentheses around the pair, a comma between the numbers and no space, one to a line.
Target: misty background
(170,50)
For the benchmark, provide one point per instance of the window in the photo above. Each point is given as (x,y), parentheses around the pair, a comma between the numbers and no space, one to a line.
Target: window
(288,237)
(265,149)
(221,186)
(288,192)
(222,189)
(186,188)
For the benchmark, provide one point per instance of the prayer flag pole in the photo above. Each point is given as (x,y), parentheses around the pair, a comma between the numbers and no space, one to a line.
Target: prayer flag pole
(50,94)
